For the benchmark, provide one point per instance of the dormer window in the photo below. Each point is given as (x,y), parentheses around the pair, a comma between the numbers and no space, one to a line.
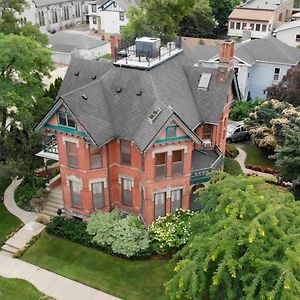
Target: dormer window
(67,120)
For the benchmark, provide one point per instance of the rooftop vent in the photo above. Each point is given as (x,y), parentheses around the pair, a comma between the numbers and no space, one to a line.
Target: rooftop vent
(204,81)
(94,77)
(119,90)
(154,115)
(76,73)
(139,93)
(84,97)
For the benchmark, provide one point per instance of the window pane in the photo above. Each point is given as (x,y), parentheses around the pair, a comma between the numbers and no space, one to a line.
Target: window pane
(238,25)
(257,27)
(160,165)
(231,25)
(72,154)
(264,27)
(176,200)
(126,191)
(159,205)
(71,121)
(62,119)
(95,157)
(125,153)
(207,129)
(75,188)
(98,195)
(171,132)
(160,158)
(177,156)
(177,162)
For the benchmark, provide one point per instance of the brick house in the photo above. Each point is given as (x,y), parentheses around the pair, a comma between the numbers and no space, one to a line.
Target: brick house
(140,134)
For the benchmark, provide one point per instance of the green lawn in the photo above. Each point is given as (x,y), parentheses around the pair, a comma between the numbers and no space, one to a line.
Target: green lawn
(127,279)
(232,167)
(14,289)
(257,157)
(8,222)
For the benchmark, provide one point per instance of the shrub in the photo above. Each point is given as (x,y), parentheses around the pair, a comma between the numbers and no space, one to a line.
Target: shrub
(124,236)
(70,229)
(169,233)
(234,151)
(232,167)
(241,110)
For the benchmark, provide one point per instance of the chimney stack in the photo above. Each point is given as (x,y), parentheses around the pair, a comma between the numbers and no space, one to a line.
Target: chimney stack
(225,60)
(115,44)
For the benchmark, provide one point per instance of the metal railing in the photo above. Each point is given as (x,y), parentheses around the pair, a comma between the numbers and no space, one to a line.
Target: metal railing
(51,146)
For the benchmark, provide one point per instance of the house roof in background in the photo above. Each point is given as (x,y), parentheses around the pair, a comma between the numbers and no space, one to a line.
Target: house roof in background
(41,3)
(120,100)
(77,40)
(251,14)
(261,4)
(288,25)
(267,49)
(62,48)
(125,4)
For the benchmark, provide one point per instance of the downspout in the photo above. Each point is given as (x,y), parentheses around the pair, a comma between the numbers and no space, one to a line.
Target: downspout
(108,178)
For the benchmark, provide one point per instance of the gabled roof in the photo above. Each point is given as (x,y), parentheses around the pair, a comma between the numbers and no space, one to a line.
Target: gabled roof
(288,25)
(41,3)
(80,41)
(251,14)
(267,49)
(124,4)
(120,100)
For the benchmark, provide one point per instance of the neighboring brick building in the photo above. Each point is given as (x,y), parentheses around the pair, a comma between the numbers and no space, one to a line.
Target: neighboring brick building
(139,134)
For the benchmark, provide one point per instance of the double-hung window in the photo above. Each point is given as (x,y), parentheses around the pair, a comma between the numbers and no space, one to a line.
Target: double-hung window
(176,200)
(94,8)
(160,165)
(75,188)
(170,132)
(276,74)
(72,154)
(67,120)
(126,153)
(159,205)
(126,191)
(177,162)
(122,16)
(98,195)
(95,157)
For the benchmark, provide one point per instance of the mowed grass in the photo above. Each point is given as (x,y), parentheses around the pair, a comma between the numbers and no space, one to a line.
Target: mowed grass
(232,167)
(8,222)
(127,279)
(257,157)
(15,289)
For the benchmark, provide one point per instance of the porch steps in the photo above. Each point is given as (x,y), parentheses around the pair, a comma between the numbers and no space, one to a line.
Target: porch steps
(54,202)
(9,249)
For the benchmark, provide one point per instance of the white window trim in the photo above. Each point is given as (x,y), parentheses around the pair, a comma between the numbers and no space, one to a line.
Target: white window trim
(168,191)
(169,149)
(71,140)
(121,176)
(97,180)
(75,179)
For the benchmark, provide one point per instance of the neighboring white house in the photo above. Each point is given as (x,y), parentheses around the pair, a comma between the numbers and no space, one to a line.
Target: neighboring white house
(54,15)
(108,16)
(262,16)
(258,63)
(289,33)
(66,45)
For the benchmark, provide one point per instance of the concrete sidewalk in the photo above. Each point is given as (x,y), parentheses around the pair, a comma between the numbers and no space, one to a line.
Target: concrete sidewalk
(49,283)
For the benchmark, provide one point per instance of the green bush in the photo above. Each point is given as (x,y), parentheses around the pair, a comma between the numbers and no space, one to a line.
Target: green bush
(233,150)
(169,233)
(124,236)
(70,229)
(232,167)
(241,110)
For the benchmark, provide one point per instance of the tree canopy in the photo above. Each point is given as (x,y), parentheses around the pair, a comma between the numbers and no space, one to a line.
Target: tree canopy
(288,88)
(245,244)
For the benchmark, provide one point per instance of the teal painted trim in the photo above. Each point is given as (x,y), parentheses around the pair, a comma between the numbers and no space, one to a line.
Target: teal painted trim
(200,180)
(66,129)
(170,127)
(179,138)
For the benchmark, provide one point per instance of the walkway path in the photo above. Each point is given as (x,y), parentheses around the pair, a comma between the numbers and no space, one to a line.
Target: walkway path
(9,202)
(241,158)
(49,283)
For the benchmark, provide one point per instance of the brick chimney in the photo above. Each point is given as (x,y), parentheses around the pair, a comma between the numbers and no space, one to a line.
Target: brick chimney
(225,60)
(115,44)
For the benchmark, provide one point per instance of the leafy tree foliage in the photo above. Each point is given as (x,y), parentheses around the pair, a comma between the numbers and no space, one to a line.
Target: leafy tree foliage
(288,88)
(200,22)
(159,18)
(245,245)
(239,111)
(169,233)
(123,236)
(222,9)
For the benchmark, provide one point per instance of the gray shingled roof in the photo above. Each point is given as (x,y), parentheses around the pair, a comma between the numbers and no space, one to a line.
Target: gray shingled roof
(267,49)
(62,48)
(41,3)
(80,41)
(171,86)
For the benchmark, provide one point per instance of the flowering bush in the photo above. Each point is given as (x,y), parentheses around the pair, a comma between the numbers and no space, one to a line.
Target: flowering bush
(123,236)
(169,233)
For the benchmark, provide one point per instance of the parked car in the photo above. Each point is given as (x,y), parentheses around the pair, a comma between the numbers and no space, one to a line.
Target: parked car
(237,131)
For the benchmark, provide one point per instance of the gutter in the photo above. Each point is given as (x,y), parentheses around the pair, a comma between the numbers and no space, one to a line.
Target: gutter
(108,179)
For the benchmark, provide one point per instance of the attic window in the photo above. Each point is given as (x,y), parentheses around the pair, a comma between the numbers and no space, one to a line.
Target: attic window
(119,90)
(154,115)
(139,93)
(204,81)
(84,97)
(94,77)
(76,74)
